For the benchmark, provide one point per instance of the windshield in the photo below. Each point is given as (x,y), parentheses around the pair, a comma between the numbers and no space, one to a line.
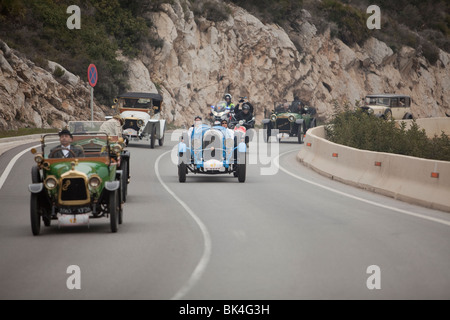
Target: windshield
(84,126)
(377,101)
(78,146)
(221,106)
(136,103)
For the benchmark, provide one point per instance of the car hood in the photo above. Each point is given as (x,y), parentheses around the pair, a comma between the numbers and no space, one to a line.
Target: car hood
(136,115)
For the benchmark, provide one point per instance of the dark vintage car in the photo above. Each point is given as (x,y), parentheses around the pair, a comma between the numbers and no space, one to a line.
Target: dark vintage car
(76,189)
(291,118)
(142,113)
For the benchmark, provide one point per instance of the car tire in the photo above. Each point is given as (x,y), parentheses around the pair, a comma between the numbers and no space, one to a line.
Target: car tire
(35,175)
(124,188)
(300,133)
(153,137)
(268,129)
(182,172)
(120,210)
(114,210)
(34,214)
(387,115)
(242,169)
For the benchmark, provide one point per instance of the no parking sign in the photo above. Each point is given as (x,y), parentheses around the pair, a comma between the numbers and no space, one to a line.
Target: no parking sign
(92,75)
(92,78)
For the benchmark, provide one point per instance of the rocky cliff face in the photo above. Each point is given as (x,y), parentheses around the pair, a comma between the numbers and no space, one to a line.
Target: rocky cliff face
(33,97)
(201,60)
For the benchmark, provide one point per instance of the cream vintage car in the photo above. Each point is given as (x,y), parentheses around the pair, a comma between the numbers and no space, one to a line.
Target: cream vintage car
(141,112)
(388,106)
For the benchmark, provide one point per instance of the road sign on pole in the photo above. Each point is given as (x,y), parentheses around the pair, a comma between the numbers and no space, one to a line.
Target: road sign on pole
(92,78)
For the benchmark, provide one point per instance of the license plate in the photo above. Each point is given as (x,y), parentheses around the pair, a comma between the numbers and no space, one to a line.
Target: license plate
(74,210)
(213,165)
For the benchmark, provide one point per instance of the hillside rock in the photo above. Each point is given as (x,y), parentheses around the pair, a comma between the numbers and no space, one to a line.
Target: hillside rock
(32,97)
(201,60)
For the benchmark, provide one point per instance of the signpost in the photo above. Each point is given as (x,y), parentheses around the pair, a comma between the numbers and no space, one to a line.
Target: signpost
(92,78)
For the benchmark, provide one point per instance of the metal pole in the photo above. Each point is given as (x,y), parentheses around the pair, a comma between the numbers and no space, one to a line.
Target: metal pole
(92,103)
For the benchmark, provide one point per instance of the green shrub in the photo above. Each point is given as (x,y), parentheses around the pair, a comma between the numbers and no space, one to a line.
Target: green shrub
(212,10)
(58,72)
(351,21)
(357,129)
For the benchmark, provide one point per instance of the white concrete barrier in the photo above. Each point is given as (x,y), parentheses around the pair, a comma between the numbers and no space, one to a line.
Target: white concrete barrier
(432,126)
(414,180)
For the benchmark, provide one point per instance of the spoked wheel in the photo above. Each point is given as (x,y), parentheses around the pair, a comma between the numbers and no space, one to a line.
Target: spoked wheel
(114,210)
(182,172)
(34,215)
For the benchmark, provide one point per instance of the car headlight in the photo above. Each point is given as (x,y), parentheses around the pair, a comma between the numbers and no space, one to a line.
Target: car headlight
(116,148)
(38,158)
(140,123)
(370,111)
(273,118)
(291,118)
(95,181)
(51,183)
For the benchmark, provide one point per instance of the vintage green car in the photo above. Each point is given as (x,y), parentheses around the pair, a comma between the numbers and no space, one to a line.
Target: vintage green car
(123,162)
(292,118)
(76,188)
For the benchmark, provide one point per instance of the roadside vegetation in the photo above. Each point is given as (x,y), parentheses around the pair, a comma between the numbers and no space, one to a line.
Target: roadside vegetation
(37,29)
(357,129)
(421,24)
(25,132)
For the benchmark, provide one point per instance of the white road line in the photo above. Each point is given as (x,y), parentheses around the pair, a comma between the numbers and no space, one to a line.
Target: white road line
(417,215)
(204,260)
(11,164)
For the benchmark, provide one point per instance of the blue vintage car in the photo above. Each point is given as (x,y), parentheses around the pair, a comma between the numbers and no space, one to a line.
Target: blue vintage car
(212,150)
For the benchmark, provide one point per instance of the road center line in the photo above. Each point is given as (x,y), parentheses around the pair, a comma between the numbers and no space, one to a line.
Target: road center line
(417,215)
(204,260)
(11,164)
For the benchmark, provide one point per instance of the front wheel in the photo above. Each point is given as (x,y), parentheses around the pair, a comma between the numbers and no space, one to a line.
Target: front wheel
(182,172)
(114,210)
(388,115)
(153,137)
(124,181)
(34,214)
(300,134)
(268,132)
(242,168)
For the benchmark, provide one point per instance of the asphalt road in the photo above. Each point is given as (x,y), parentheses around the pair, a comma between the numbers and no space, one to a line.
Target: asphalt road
(289,235)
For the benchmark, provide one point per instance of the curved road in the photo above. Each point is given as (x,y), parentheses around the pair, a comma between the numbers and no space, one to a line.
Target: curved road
(291,235)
